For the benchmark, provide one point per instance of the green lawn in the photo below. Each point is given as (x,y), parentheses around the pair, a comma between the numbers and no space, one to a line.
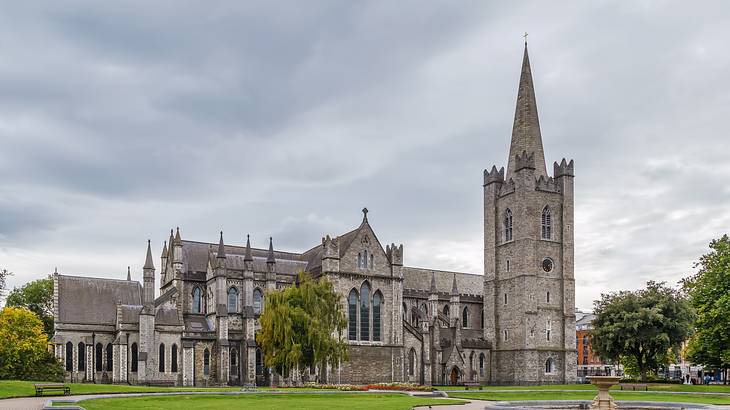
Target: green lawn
(17,388)
(342,401)
(589,395)
(713,388)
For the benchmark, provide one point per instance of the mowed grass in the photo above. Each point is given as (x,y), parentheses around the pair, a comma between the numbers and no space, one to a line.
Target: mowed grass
(343,401)
(712,388)
(589,395)
(18,388)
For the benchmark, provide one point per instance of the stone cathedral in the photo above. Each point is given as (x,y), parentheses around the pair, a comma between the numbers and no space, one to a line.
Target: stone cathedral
(513,324)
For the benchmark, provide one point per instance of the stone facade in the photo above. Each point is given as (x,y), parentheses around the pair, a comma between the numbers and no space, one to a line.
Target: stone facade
(514,324)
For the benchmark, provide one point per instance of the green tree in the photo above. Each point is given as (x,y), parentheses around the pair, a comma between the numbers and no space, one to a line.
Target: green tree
(23,346)
(709,293)
(36,296)
(301,326)
(642,325)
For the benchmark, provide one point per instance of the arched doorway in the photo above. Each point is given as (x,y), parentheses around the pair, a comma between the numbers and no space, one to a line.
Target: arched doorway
(454,376)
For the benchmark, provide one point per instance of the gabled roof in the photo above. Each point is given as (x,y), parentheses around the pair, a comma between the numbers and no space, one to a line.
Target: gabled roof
(419,279)
(84,300)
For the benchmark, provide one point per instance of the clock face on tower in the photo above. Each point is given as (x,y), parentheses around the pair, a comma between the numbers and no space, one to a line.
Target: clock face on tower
(547,265)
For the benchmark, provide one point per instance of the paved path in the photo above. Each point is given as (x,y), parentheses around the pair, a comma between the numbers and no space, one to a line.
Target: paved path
(473,405)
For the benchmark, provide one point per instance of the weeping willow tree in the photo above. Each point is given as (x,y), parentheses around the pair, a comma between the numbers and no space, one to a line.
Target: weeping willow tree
(301,326)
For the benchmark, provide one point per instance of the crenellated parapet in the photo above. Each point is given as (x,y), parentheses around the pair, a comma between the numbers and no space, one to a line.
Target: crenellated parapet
(507,188)
(494,176)
(563,169)
(395,254)
(525,160)
(546,184)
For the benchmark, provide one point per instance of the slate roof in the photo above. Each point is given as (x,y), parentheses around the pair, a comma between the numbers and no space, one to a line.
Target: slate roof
(420,279)
(77,295)
(195,258)
(166,316)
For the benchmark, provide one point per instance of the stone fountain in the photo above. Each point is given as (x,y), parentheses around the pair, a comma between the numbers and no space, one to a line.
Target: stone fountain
(604,399)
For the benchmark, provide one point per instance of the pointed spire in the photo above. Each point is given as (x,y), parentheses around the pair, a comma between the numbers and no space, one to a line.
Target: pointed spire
(248,257)
(433,282)
(177,240)
(164,249)
(148,262)
(526,128)
(454,289)
(221,248)
(271,258)
(129,274)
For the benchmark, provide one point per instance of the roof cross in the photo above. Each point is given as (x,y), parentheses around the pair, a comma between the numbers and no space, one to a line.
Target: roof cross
(525,36)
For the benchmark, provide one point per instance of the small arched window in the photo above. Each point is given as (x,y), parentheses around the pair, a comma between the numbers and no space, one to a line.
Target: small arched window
(365,259)
(197,302)
(508,263)
(507,225)
(446,310)
(258,299)
(405,312)
(481,365)
(206,362)
(505,298)
(69,356)
(377,300)
(259,363)
(99,356)
(549,365)
(173,358)
(548,329)
(547,297)
(505,335)
(135,357)
(546,223)
(465,317)
(234,362)
(161,358)
(365,311)
(109,357)
(359,260)
(81,360)
(481,319)
(412,362)
(371,261)
(233,299)
(352,315)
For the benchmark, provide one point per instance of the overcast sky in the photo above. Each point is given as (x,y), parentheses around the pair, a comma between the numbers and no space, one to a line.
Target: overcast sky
(119,121)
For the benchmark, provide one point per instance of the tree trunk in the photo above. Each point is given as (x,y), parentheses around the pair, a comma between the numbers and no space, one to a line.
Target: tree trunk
(642,367)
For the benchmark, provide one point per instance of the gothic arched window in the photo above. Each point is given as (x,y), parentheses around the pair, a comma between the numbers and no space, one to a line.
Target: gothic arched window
(99,356)
(352,315)
(465,317)
(446,310)
(359,260)
(173,358)
(161,358)
(546,223)
(549,365)
(258,299)
(135,357)
(371,261)
(365,259)
(405,311)
(481,319)
(69,356)
(365,311)
(481,365)
(547,297)
(233,299)
(197,302)
(259,363)
(411,362)
(206,362)
(81,360)
(234,362)
(377,300)
(109,357)
(507,225)
(548,330)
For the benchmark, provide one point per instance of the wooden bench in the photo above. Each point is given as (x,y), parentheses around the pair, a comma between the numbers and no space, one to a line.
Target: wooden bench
(634,386)
(467,385)
(40,387)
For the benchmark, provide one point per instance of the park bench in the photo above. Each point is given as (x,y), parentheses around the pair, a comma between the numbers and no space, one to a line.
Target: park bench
(634,386)
(41,387)
(467,385)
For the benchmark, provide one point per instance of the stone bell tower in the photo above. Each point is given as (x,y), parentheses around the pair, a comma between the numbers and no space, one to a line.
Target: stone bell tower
(529,287)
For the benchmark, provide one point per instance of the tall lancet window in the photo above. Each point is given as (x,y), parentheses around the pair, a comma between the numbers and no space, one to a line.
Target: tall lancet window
(232,300)
(546,223)
(365,311)
(352,315)
(197,302)
(507,225)
(377,300)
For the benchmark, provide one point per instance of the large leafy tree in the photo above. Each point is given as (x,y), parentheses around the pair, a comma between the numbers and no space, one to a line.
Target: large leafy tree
(642,325)
(709,293)
(36,296)
(23,346)
(301,326)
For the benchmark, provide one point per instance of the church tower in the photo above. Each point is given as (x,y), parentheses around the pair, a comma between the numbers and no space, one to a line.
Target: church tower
(529,287)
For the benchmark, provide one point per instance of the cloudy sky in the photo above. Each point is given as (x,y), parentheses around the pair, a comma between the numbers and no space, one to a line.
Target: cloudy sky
(119,121)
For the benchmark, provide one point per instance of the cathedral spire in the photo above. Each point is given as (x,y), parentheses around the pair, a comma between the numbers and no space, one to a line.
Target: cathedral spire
(526,135)
(271,258)
(221,248)
(129,274)
(148,262)
(248,257)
